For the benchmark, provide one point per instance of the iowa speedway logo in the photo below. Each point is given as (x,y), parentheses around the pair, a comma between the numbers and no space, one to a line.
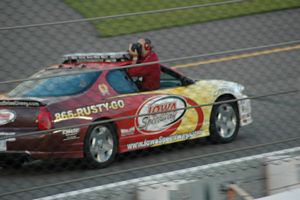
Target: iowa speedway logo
(167,115)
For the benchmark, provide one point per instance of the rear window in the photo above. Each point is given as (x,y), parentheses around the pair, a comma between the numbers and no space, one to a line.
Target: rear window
(55,86)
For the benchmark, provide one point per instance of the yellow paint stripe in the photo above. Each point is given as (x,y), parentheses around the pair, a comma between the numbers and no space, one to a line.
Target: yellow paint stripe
(240,56)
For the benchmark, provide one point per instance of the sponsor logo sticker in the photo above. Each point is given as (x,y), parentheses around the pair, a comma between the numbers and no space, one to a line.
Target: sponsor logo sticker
(7,116)
(3,146)
(165,140)
(103,89)
(69,134)
(129,131)
(165,106)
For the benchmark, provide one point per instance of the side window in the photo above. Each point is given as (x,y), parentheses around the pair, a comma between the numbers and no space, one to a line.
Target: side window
(168,80)
(165,76)
(120,82)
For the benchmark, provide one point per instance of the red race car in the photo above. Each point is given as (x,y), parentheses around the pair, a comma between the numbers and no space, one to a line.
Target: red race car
(65,99)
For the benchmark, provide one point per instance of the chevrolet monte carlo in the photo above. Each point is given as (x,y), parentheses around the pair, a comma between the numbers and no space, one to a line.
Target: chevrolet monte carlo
(63,100)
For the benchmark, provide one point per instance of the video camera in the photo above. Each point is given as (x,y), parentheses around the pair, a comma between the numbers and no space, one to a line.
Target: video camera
(138,47)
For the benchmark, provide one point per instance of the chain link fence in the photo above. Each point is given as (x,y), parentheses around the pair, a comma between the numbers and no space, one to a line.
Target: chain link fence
(212,181)
(251,42)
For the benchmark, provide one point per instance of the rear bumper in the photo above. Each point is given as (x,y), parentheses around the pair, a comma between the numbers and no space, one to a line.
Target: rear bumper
(12,155)
(52,145)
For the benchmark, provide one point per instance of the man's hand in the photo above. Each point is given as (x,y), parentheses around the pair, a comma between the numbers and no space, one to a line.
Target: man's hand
(133,53)
(3,96)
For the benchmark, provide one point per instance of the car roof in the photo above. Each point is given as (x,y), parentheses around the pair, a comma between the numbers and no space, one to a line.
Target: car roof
(89,65)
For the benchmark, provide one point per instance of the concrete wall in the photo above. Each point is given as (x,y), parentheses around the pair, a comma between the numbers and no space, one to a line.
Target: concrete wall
(208,182)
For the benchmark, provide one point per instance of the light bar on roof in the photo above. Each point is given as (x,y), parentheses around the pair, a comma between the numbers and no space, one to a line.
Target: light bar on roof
(104,57)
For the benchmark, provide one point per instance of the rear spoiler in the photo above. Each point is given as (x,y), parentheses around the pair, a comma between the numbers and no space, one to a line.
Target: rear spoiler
(21,103)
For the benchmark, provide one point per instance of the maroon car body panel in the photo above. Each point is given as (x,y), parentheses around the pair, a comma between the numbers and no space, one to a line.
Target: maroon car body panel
(98,102)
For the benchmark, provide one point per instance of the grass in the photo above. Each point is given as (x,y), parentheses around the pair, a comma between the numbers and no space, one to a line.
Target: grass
(134,24)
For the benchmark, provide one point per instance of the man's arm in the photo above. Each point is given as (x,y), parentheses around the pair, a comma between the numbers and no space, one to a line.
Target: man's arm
(144,70)
(134,71)
(137,71)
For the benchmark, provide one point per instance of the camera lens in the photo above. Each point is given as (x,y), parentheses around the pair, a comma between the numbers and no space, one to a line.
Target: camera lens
(134,46)
(137,47)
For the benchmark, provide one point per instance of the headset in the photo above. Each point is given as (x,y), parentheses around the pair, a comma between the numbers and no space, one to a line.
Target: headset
(148,45)
(138,46)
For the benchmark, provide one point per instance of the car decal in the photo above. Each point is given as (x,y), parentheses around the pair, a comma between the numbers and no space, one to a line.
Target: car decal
(7,116)
(69,134)
(103,89)
(20,103)
(127,131)
(165,106)
(89,110)
(193,119)
(164,140)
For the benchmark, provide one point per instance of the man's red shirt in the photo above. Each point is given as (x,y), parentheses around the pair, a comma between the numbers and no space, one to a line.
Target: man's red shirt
(150,73)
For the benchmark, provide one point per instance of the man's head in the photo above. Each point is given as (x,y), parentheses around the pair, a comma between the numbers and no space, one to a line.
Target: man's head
(146,46)
(140,48)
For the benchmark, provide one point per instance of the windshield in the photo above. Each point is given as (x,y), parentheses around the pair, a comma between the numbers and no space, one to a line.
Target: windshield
(55,86)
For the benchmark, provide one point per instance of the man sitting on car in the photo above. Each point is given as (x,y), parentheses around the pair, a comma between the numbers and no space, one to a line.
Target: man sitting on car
(141,52)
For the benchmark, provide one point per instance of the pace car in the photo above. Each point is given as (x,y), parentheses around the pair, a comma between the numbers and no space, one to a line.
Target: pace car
(88,107)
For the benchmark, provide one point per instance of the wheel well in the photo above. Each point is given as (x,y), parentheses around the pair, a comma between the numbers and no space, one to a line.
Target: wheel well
(227,96)
(106,118)
(114,125)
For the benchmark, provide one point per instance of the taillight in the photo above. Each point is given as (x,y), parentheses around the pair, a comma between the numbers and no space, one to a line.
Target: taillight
(44,119)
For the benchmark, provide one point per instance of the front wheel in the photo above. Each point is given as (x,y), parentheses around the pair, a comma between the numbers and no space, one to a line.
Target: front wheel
(224,121)
(100,146)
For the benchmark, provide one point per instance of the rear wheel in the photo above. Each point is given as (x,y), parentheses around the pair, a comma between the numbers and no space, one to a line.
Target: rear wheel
(12,163)
(100,146)
(224,121)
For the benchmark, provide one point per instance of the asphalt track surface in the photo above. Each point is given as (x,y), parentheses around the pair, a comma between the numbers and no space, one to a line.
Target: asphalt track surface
(275,118)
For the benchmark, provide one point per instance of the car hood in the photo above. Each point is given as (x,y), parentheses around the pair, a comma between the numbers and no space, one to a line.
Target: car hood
(218,87)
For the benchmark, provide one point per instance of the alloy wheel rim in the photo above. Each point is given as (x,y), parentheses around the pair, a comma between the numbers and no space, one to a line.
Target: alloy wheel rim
(101,144)
(226,121)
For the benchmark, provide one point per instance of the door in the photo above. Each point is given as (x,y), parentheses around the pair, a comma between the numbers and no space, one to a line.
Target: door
(160,117)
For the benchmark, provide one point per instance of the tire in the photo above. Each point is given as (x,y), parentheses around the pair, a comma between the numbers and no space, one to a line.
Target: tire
(224,121)
(100,146)
(10,163)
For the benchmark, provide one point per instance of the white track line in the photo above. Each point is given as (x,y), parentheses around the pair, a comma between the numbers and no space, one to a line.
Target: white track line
(168,174)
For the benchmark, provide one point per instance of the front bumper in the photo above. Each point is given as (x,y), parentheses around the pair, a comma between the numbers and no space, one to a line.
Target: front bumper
(245,111)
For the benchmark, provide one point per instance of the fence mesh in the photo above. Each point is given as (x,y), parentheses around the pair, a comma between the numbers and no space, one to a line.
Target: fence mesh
(251,42)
